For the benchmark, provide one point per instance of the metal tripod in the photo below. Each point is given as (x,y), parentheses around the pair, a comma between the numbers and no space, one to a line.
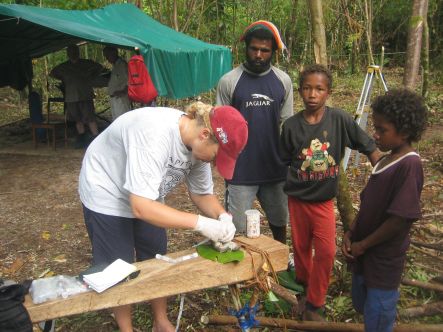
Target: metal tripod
(361,114)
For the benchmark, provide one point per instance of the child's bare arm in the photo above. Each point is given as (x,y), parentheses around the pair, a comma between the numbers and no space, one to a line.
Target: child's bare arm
(374,156)
(388,229)
(346,243)
(346,246)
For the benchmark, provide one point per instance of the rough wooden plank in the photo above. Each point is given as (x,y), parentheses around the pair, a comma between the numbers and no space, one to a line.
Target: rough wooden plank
(158,279)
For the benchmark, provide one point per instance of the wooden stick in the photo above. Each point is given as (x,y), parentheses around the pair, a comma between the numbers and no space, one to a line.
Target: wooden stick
(430,268)
(317,326)
(430,215)
(435,246)
(285,294)
(235,295)
(20,191)
(426,285)
(428,253)
(438,279)
(433,228)
(429,309)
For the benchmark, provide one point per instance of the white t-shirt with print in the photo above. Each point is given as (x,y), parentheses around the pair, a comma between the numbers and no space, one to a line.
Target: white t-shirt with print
(140,153)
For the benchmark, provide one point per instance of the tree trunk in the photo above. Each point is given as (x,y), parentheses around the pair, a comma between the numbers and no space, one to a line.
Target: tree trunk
(425,55)
(429,309)
(291,32)
(318,31)
(138,4)
(416,22)
(435,246)
(316,326)
(425,285)
(368,18)
(174,16)
(190,14)
(344,200)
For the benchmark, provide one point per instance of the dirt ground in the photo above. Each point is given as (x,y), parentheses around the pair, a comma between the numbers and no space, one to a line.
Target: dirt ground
(43,234)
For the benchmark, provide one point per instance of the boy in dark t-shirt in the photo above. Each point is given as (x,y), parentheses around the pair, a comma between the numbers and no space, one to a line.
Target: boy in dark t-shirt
(312,144)
(379,238)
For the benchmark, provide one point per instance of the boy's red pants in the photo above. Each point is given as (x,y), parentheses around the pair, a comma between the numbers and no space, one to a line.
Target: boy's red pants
(313,225)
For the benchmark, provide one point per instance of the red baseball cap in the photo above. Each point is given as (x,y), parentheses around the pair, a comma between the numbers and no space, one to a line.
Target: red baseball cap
(231,130)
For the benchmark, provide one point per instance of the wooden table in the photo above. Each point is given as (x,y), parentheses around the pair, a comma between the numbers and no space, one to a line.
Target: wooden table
(158,278)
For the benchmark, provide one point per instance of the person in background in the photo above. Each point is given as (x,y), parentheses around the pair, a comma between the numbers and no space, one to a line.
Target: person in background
(263,95)
(135,162)
(313,142)
(118,82)
(377,241)
(78,76)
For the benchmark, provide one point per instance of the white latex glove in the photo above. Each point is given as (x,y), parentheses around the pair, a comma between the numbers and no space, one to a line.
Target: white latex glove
(215,230)
(225,217)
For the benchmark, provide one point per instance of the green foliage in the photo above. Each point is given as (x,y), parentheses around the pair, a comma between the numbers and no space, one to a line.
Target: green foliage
(209,252)
(83,322)
(435,106)
(417,273)
(223,21)
(437,72)
(340,308)
(390,25)
(287,279)
(141,316)
(281,308)
(63,4)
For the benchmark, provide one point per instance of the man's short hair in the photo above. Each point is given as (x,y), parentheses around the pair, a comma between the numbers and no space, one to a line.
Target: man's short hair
(73,51)
(110,50)
(72,47)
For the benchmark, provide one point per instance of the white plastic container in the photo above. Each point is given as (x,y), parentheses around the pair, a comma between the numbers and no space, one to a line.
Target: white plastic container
(252,223)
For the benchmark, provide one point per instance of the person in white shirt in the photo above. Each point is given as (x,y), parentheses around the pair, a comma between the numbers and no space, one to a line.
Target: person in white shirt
(118,82)
(133,164)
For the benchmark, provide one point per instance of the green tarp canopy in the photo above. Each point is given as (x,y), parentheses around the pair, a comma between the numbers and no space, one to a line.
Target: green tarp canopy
(180,65)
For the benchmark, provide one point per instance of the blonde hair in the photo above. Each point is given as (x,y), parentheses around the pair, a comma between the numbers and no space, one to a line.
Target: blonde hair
(200,112)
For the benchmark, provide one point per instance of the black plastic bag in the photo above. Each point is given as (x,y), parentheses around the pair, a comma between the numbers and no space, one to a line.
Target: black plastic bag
(13,314)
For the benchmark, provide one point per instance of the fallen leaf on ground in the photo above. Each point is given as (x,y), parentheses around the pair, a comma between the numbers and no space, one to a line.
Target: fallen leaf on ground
(46,235)
(17,265)
(46,273)
(60,259)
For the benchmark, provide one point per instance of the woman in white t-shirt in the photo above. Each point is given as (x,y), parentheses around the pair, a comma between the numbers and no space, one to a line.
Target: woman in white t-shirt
(132,165)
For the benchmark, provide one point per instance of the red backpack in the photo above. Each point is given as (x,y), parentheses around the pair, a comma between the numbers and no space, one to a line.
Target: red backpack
(140,86)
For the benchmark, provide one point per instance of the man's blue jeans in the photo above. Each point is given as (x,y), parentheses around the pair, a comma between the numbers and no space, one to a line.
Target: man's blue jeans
(271,196)
(378,306)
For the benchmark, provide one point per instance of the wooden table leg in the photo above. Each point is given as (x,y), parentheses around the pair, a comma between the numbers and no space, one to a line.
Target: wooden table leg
(53,136)
(34,138)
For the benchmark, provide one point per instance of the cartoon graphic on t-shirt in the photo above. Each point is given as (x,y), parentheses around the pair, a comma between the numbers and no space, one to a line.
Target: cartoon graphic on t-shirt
(317,162)
(317,157)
